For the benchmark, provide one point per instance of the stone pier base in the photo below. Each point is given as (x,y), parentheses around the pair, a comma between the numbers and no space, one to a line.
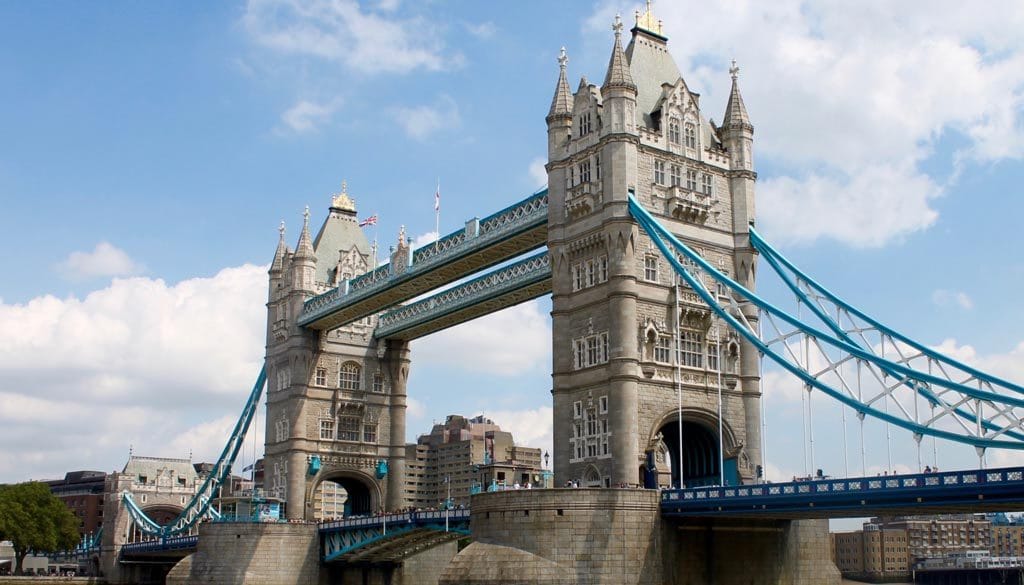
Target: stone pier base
(251,554)
(615,536)
(561,537)
(748,552)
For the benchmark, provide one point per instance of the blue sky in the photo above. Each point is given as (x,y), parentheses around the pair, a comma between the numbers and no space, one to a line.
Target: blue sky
(150,151)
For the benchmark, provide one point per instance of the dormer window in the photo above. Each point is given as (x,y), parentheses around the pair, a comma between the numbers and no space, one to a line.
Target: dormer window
(691,136)
(673,132)
(585,124)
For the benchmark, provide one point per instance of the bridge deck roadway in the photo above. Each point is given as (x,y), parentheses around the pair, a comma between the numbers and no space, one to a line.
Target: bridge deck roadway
(983,490)
(500,237)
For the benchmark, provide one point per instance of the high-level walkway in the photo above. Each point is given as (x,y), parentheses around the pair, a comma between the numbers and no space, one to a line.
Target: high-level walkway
(483,243)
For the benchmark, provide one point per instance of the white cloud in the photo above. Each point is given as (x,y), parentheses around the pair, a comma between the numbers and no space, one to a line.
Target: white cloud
(849,101)
(530,428)
(1008,366)
(483,30)
(420,122)
(424,239)
(104,260)
(131,364)
(339,30)
(306,116)
(945,298)
(538,174)
(414,408)
(505,343)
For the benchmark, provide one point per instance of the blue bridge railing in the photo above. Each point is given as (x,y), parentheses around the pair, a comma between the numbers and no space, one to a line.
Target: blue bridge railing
(982,488)
(161,545)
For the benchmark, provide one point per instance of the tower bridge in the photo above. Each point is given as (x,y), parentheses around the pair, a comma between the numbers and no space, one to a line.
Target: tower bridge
(658,334)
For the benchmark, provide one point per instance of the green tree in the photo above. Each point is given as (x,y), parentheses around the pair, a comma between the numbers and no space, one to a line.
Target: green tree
(35,520)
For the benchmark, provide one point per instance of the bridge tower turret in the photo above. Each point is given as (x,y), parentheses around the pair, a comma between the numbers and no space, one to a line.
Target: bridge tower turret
(622,350)
(738,139)
(335,430)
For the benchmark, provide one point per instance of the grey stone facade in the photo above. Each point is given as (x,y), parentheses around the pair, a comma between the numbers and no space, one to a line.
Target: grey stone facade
(334,398)
(616,327)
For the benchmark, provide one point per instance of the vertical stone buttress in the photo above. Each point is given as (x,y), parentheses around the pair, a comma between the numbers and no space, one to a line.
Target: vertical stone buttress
(619,169)
(738,138)
(397,362)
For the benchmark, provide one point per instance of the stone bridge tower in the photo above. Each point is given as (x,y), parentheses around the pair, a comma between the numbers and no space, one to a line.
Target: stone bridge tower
(335,426)
(627,340)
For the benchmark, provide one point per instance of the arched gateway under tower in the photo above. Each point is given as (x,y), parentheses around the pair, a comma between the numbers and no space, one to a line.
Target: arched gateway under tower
(627,337)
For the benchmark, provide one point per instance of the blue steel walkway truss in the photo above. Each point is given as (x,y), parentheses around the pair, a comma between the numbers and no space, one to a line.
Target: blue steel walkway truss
(497,238)
(390,537)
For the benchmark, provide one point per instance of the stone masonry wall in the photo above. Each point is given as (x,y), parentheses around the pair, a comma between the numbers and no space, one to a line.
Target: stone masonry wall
(253,554)
(581,536)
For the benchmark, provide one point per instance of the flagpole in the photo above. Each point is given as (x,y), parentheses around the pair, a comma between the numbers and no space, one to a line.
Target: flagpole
(437,214)
(374,267)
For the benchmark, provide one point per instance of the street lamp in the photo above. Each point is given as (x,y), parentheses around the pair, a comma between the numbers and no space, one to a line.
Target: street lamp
(547,456)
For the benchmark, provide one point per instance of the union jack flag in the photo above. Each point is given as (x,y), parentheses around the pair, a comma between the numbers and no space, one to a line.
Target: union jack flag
(372,220)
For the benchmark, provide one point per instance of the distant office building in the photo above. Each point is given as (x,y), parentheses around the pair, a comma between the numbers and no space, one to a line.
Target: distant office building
(889,547)
(1007,538)
(82,493)
(874,553)
(463,453)
(938,536)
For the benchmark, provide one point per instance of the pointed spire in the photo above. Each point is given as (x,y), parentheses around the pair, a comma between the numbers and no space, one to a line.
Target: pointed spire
(735,112)
(278,264)
(561,104)
(304,249)
(618,68)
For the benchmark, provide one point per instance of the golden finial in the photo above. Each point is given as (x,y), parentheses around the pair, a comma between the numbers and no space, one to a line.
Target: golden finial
(342,201)
(647,21)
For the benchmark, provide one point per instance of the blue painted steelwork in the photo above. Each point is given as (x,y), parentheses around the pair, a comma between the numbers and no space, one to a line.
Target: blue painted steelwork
(659,236)
(793,277)
(199,506)
(862,496)
(341,537)
(507,223)
(502,281)
(179,543)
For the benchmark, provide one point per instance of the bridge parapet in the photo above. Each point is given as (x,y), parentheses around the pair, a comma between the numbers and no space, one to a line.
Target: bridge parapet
(972,490)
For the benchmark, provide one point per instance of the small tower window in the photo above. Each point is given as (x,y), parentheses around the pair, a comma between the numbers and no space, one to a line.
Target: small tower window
(348,378)
(651,268)
(585,171)
(673,132)
(691,136)
(378,382)
(659,172)
(676,175)
(321,377)
(707,183)
(691,179)
(326,430)
(585,124)
(597,166)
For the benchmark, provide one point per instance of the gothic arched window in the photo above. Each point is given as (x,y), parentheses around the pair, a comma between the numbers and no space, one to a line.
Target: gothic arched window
(349,376)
